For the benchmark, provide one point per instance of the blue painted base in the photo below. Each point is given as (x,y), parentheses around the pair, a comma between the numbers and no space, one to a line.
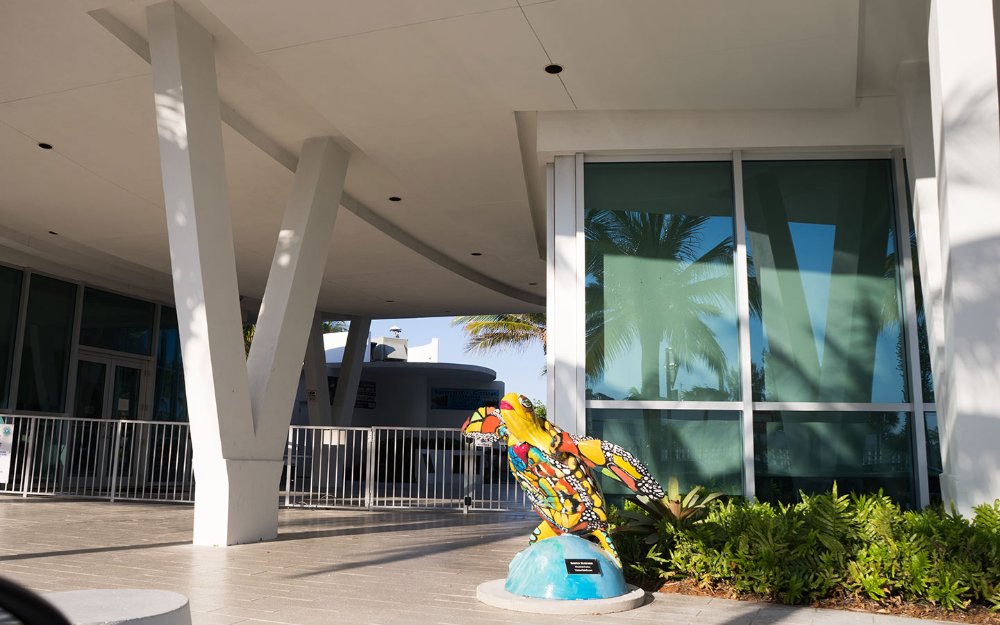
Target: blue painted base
(540,571)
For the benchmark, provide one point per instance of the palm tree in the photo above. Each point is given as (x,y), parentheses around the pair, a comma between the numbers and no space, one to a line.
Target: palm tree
(333,327)
(515,331)
(699,285)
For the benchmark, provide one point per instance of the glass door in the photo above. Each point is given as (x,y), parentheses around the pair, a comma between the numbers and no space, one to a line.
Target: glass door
(108,388)
(126,398)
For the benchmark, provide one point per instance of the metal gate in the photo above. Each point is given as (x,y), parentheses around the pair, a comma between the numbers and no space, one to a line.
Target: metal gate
(395,467)
(324,467)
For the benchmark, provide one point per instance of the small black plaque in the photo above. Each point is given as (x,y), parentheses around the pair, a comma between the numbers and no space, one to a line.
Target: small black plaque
(583,567)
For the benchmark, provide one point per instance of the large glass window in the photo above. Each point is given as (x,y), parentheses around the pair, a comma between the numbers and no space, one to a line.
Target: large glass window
(698,447)
(809,451)
(10,305)
(823,282)
(116,322)
(47,335)
(660,288)
(169,401)
(825,324)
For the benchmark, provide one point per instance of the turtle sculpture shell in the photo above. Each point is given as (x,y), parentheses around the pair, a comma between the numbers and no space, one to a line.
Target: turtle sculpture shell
(556,469)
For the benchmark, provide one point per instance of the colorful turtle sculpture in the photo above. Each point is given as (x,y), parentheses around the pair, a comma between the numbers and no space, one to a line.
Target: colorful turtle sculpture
(555,468)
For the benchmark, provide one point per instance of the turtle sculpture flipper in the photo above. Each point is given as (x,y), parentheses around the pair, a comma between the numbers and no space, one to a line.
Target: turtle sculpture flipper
(556,469)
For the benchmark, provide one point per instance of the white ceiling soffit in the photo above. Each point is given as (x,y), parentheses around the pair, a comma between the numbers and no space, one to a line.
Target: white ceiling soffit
(423,94)
(242,79)
(703,54)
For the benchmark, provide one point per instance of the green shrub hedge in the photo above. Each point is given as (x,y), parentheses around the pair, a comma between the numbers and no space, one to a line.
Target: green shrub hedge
(826,545)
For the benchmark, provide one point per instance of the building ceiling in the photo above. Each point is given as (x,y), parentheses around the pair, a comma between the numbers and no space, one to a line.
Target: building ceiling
(423,93)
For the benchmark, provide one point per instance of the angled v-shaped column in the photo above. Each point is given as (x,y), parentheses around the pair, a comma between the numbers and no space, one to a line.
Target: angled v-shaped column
(239,422)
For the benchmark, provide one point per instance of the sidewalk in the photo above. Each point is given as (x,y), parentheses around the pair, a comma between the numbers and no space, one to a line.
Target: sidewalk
(329,566)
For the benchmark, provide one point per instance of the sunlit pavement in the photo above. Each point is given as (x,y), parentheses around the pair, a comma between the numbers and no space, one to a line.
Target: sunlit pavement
(328,566)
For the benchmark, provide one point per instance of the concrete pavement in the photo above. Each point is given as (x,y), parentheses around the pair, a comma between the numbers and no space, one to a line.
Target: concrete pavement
(328,566)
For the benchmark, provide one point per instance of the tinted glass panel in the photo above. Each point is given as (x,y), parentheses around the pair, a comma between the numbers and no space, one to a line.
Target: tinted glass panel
(125,400)
(90,380)
(661,312)
(10,303)
(169,403)
(698,447)
(808,451)
(116,322)
(823,282)
(47,335)
(934,464)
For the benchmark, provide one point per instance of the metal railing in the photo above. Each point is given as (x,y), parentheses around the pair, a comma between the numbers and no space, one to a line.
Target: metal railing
(324,467)
(97,458)
(395,467)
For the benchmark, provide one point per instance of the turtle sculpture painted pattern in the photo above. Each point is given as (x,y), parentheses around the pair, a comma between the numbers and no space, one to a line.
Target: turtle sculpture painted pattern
(555,469)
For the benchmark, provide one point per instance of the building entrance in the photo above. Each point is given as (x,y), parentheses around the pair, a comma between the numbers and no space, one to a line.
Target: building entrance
(109,387)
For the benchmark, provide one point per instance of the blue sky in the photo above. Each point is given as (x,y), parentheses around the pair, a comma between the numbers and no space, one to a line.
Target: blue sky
(520,371)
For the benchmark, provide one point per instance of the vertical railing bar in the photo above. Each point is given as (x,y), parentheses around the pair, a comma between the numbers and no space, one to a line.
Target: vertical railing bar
(164,449)
(30,449)
(188,462)
(178,489)
(115,460)
(420,465)
(411,469)
(62,478)
(48,479)
(288,470)
(437,466)
(145,452)
(172,461)
(370,468)
(330,471)
(88,459)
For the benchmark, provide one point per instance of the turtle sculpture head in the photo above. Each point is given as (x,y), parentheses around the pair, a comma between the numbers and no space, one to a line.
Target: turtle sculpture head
(554,469)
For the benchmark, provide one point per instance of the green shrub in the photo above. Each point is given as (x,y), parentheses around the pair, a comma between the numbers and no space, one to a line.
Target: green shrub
(824,545)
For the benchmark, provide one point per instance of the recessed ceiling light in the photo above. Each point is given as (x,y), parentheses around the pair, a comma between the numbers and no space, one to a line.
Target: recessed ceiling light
(53,232)
(477,253)
(45,146)
(395,198)
(553,69)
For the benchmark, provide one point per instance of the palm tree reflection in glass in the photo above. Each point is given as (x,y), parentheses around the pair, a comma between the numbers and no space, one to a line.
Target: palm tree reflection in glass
(652,284)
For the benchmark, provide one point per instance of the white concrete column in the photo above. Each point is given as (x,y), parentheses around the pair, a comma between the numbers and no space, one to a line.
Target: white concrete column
(565,352)
(913,88)
(204,270)
(239,422)
(966,123)
(289,304)
(350,371)
(913,91)
(316,386)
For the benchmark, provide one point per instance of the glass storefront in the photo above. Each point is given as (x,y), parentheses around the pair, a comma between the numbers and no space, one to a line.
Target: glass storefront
(48,334)
(10,305)
(827,370)
(108,367)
